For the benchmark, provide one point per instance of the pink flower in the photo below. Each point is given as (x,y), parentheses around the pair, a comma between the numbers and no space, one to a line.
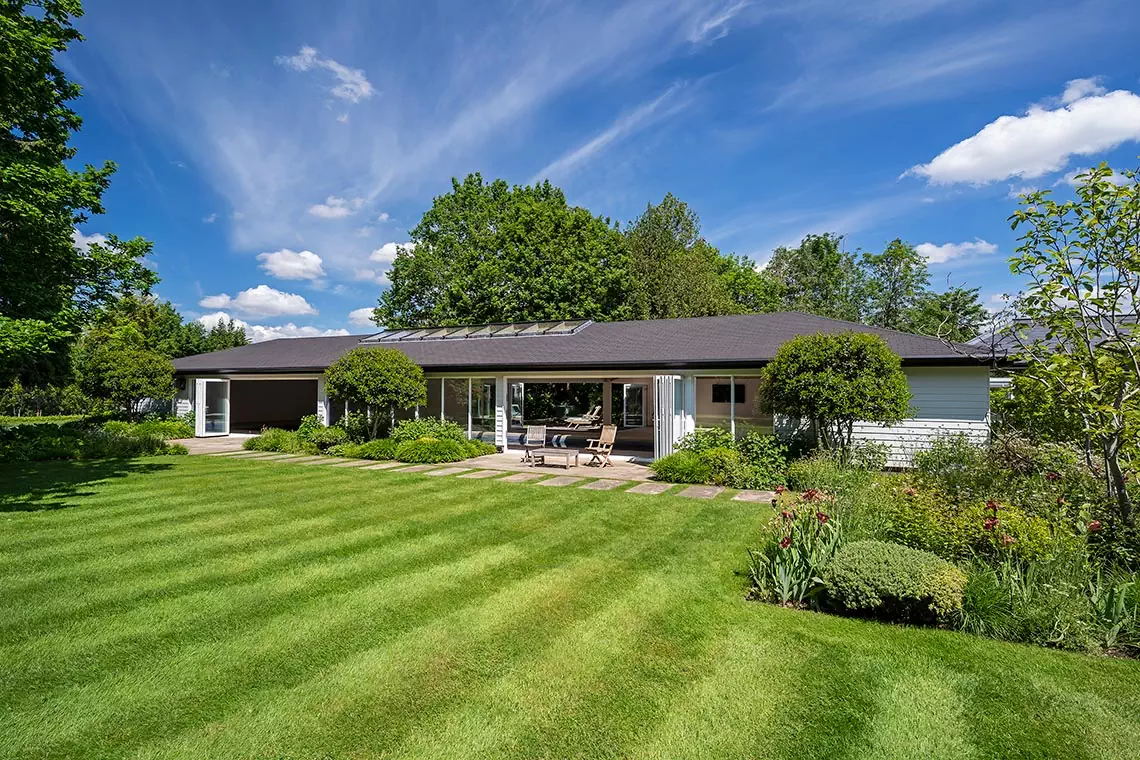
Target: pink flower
(812,494)
(822,517)
(788,514)
(1095,526)
(1007,540)
(990,523)
(910,491)
(785,542)
(993,506)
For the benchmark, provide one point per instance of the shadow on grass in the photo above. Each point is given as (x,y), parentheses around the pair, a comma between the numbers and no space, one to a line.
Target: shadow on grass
(37,486)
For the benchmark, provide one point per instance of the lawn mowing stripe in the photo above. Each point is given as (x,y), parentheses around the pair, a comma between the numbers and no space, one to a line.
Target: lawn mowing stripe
(904,723)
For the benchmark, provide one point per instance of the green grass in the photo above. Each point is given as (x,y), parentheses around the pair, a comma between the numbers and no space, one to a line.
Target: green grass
(205,608)
(53,419)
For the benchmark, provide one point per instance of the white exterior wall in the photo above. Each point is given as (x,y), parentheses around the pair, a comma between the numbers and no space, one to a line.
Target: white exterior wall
(184,398)
(947,400)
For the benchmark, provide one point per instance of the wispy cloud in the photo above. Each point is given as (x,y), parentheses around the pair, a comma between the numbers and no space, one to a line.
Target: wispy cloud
(664,105)
(716,25)
(351,84)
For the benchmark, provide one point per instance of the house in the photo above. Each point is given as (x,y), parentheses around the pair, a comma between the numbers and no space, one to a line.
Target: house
(658,379)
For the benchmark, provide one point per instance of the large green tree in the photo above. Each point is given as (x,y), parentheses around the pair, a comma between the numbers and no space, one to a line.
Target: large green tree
(164,331)
(819,277)
(955,314)
(489,252)
(114,363)
(49,285)
(896,279)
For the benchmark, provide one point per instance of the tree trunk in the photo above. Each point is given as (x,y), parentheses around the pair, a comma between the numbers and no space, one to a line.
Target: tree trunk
(1119,484)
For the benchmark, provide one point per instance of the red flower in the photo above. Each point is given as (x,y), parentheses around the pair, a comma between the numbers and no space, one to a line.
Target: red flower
(910,491)
(780,489)
(1052,476)
(812,494)
(1007,540)
(1062,500)
(990,523)
(822,517)
(1095,526)
(993,506)
(785,542)
(788,515)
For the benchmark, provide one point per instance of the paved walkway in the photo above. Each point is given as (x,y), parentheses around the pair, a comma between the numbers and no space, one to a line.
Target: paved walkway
(586,478)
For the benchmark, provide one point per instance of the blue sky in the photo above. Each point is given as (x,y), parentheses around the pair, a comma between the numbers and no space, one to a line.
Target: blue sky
(277,152)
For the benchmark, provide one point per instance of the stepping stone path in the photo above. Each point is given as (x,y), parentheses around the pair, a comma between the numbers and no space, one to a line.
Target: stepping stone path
(446,471)
(353,463)
(239,452)
(482,474)
(701,492)
(650,488)
(302,459)
(418,468)
(561,480)
(604,484)
(756,496)
(383,466)
(520,477)
(260,455)
(320,460)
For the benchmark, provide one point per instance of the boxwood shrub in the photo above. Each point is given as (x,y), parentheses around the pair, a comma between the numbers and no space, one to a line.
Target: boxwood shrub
(285,441)
(379,449)
(480,448)
(428,427)
(431,451)
(681,467)
(893,582)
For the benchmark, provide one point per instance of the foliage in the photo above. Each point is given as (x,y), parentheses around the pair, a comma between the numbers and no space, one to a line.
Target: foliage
(765,460)
(1082,260)
(163,330)
(380,379)
(284,441)
(114,364)
(378,449)
(897,279)
(835,380)
(77,440)
(428,427)
(477,448)
(795,549)
(160,428)
(489,252)
(31,349)
(724,465)
(893,582)
(703,439)
(355,424)
(1030,409)
(22,400)
(431,451)
(819,277)
(957,314)
(319,435)
(681,467)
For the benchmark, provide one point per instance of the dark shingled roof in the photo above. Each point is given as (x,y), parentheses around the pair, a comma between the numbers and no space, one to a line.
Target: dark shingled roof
(740,341)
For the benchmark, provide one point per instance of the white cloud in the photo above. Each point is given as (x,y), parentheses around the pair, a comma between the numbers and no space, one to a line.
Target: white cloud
(343,118)
(259,333)
(262,301)
(351,85)
(1071,180)
(1075,89)
(940,254)
(364,231)
(336,208)
(383,216)
(82,241)
(633,121)
(386,253)
(209,218)
(292,265)
(1041,141)
(361,317)
(368,275)
(715,25)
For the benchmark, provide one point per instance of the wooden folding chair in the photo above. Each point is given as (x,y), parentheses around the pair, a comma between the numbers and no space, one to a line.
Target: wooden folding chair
(535,439)
(601,447)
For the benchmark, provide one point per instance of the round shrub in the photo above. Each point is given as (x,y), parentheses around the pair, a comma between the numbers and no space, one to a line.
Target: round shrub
(704,439)
(893,582)
(430,451)
(285,441)
(765,460)
(428,427)
(681,467)
(476,448)
(380,449)
(725,466)
(325,437)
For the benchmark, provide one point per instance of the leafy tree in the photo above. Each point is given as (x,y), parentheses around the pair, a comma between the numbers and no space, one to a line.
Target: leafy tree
(164,331)
(380,379)
(956,315)
(31,349)
(114,363)
(1030,408)
(819,277)
(224,334)
(674,272)
(1082,261)
(896,279)
(488,252)
(835,380)
(751,290)
(47,282)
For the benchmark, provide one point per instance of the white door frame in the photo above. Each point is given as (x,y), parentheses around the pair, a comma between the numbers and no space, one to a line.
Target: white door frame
(200,408)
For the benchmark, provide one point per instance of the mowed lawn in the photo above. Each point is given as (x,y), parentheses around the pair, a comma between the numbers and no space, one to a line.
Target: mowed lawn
(198,607)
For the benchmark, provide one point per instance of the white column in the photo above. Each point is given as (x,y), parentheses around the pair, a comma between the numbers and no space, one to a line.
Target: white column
(732,406)
(442,396)
(502,412)
(607,402)
(322,401)
(469,430)
(689,405)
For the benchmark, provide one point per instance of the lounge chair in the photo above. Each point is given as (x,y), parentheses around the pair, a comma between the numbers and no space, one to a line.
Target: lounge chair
(600,447)
(535,438)
(588,420)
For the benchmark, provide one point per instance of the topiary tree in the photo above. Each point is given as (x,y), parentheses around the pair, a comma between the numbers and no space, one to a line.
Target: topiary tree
(380,379)
(833,381)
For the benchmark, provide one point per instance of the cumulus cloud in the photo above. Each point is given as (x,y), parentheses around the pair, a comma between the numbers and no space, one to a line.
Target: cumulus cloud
(259,333)
(940,254)
(386,253)
(351,84)
(361,317)
(292,265)
(383,216)
(82,241)
(384,256)
(335,207)
(1088,121)
(262,301)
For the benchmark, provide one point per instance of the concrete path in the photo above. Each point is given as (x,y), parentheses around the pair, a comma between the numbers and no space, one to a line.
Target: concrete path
(382,466)
(482,474)
(650,488)
(758,496)
(521,477)
(561,480)
(353,463)
(442,471)
(417,468)
(604,484)
(701,492)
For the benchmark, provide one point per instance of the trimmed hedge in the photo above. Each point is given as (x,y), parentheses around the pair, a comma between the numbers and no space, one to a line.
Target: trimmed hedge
(285,441)
(165,429)
(893,582)
(431,451)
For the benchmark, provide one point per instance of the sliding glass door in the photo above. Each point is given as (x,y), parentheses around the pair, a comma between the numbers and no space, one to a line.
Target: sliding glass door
(212,407)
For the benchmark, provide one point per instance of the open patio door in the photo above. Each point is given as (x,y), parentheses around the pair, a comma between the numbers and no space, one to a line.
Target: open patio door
(211,407)
(668,425)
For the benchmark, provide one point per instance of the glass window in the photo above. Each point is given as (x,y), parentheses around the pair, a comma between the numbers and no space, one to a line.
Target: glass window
(722,395)
(483,408)
(432,408)
(455,400)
